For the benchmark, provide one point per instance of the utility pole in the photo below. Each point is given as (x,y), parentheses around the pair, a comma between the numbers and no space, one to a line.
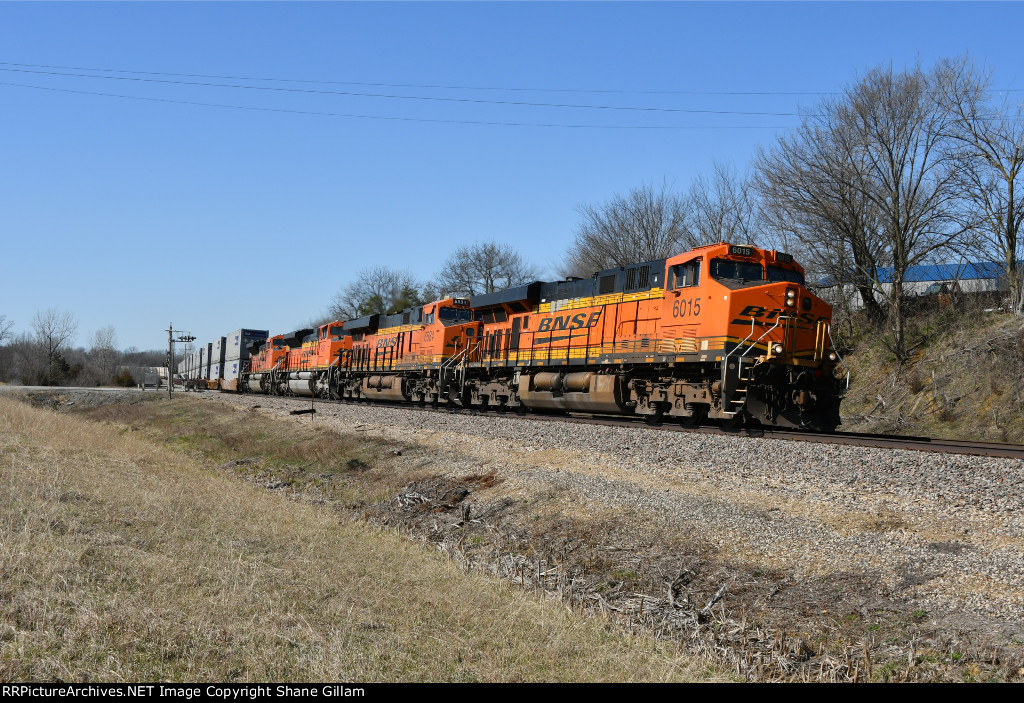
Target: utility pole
(182,337)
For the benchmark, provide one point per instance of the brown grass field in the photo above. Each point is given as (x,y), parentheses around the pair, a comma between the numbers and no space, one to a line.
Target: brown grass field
(124,559)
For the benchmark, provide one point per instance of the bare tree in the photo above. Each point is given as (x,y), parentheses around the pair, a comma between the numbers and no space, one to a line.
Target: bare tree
(894,139)
(808,190)
(53,331)
(722,208)
(103,351)
(987,141)
(376,290)
(5,328)
(483,268)
(647,223)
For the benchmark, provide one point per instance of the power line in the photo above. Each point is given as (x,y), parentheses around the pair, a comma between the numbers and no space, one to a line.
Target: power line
(435,86)
(428,98)
(387,117)
(427,86)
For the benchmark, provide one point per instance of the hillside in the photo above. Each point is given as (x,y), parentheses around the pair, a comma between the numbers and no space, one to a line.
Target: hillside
(964,379)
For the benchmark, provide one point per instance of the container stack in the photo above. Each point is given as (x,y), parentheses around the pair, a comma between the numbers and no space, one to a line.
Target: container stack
(219,363)
(237,354)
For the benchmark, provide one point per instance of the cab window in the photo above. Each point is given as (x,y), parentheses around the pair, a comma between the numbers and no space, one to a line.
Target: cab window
(777,273)
(684,275)
(453,316)
(736,270)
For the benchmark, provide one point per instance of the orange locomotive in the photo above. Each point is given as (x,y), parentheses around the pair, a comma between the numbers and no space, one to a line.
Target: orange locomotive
(418,355)
(304,362)
(723,331)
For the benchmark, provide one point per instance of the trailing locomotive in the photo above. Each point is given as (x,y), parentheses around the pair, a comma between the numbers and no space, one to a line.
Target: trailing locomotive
(722,332)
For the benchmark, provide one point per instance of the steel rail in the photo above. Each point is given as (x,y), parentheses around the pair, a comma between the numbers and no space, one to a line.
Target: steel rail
(854,439)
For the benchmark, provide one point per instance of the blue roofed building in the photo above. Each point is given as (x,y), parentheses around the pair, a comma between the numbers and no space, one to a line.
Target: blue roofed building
(978,277)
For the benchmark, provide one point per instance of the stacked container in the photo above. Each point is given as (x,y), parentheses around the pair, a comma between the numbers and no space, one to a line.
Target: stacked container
(237,354)
(220,362)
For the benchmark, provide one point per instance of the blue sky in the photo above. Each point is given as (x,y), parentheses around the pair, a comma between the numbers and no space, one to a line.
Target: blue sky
(138,212)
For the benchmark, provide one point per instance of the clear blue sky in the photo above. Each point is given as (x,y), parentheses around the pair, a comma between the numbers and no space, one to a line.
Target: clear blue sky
(269,213)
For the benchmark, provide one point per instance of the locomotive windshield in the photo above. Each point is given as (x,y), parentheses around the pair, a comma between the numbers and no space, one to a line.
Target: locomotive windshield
(777,273)
(453,316)
(742,271)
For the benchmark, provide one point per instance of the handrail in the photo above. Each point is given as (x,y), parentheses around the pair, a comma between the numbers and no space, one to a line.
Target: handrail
(725,365)
(741,343)
(458,360)
(777,321)
(743,355)
(725,361)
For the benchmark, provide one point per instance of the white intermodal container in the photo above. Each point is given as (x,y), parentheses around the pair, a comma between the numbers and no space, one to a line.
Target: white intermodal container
(220,348)
(239,340)
(232,369)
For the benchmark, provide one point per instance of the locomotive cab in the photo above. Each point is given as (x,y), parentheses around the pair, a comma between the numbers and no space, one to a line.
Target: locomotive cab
(749,312)
(457,326)
(331,342)
(779,363)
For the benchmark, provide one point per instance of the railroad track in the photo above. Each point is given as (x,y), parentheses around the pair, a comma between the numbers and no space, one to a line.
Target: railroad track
(855,439)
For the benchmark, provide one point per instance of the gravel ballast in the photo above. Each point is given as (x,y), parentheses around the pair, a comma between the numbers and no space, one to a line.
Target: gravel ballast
(940,530)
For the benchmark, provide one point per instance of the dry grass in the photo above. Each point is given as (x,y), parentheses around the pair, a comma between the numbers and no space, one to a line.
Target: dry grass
(120,560)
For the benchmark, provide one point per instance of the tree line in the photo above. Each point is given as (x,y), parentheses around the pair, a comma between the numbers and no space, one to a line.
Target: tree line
(46,356)
(473,269)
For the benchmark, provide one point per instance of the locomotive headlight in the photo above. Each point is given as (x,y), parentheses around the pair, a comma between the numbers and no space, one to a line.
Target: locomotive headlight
(791,297)
(832,356)
(776,348)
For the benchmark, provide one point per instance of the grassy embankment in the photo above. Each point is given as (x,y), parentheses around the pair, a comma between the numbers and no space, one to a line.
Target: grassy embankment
(121,560)
(965,377)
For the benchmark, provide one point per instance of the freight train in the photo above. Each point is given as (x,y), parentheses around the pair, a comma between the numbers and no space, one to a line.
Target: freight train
(723,332)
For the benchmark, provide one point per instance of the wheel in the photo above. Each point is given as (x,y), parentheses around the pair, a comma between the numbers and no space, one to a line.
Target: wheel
(656,418)
(690,420)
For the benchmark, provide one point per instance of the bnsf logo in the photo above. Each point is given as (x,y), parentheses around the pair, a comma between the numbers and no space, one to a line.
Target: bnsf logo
(384,343)
(569,322)
(757,312)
